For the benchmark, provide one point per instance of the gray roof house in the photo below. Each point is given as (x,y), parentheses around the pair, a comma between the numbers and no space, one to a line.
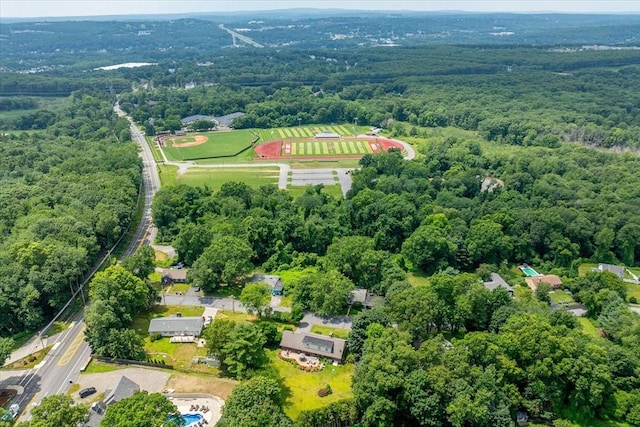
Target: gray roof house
(496,281)
(615,269)
(365,298)
(172,275)
(314,344)
(176,326)
(274,282)
(123,389)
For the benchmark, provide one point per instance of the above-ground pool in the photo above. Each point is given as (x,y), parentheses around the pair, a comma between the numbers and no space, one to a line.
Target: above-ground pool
(191,419)
(528,271)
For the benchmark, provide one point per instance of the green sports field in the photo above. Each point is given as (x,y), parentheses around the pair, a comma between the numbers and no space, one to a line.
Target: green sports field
(309,131)
(214,177)
(216,144)
(320,147)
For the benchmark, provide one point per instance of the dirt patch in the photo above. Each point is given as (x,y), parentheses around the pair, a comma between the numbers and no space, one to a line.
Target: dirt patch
(220,387)
(198,140)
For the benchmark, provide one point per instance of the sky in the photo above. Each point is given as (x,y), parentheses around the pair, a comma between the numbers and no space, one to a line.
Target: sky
(74,8)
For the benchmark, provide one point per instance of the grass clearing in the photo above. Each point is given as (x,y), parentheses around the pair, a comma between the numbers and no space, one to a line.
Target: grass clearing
(179,288)
(215,177)
(236,317)
(585,268)
(418,279)
(168,175)
(195,383)
(632,291)
(589,327)
(328,331)
(558,297)
(97,367)
(161,256)
(302,387)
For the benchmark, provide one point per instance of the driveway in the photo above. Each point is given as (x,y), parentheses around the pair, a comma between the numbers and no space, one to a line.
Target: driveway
(310,319)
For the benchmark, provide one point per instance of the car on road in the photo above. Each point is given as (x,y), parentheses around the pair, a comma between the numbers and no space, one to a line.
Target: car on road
(86,392)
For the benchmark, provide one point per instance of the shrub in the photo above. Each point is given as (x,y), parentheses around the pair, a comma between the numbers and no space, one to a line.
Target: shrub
(323,392)
(633,300)
(155,337)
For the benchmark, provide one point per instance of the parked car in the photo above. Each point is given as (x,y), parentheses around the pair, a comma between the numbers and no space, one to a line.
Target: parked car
(86,392)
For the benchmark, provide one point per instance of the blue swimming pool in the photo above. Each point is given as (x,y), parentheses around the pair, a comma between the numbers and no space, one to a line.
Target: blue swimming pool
(528,271)
(191,419)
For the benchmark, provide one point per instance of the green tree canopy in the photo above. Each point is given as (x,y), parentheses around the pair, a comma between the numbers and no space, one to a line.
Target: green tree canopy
(143,410)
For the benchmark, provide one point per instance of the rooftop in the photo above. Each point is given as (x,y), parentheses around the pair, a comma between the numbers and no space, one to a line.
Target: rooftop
(313,343)
(175,274)
(189,325)
(496,281)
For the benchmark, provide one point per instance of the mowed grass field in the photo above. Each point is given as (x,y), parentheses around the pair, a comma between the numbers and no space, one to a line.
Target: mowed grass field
(217,144)
(309,131)
(214,177)
(321,147)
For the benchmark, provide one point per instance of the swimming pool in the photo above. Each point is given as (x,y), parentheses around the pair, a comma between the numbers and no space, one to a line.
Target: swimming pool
(528,271)
(190,419)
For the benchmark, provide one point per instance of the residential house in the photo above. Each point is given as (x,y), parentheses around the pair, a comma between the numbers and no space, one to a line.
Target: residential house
(176,326)
(363,297)
(615,269)
(496,281)
(550,279)
(123,389)
(277,286)
(314,345)
(172,275)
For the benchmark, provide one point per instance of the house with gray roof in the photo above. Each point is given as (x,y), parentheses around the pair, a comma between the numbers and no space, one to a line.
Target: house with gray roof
(123,389)
(496,281)
(173,326)
(314,345)
(277,286)
(615,269)
(173,275)
(365,298)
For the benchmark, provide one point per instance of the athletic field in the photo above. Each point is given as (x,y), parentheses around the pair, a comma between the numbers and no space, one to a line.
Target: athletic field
(318,148)
(206,145)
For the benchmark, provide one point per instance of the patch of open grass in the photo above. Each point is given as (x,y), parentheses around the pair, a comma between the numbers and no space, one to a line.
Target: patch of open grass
(236,317)
(215,177)
(168,175)
(161,256)
(56,328)
(179,288)
(418,278)
(73,389)
(97,367)
(558,297)
(583,269)
(155,277)
(632,291)
(227,291)
(326,330)
(286,301)
(302,387)
(195,383)
(589,327)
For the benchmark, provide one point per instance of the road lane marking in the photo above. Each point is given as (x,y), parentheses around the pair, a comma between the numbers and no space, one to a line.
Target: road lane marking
(72,349)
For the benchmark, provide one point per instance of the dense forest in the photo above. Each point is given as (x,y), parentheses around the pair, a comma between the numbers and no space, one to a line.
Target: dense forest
(67,194)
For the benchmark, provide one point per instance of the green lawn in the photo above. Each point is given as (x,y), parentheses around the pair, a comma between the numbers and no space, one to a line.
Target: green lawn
(418,279)
(236,317)
(589,327)
(96,367)
(583,269)
(558,297)
(217,144)
(29,361)
(632,291)
(227,291)
(326,330)
(302,387)
(214,178)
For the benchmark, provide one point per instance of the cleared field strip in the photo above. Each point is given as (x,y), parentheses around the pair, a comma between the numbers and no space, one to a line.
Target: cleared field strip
(343,131)
(281,133)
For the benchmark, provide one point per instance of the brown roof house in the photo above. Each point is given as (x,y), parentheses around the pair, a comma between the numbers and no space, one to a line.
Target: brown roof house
(550,279)
(314,345)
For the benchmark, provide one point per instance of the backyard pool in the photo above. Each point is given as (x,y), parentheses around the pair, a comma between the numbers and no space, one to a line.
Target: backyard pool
(190,419)
(530,272)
